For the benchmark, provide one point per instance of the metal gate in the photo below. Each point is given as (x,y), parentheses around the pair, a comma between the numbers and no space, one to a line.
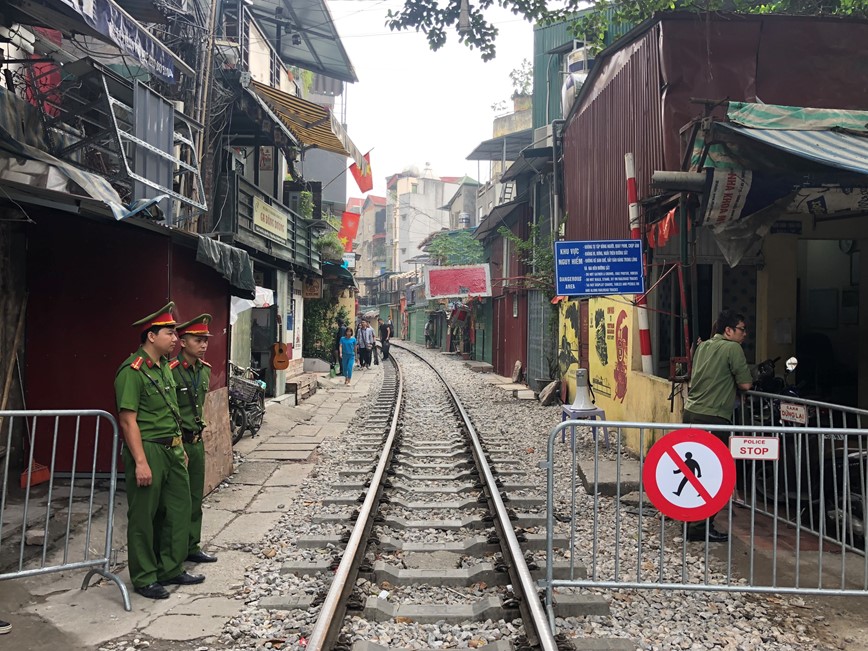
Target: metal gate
(622,541)
(540,342)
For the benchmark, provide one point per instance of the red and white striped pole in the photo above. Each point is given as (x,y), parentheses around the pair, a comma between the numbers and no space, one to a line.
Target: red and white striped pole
(636,234)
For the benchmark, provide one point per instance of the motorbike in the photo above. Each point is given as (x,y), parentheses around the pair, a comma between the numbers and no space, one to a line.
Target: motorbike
(818,480)
(246,401)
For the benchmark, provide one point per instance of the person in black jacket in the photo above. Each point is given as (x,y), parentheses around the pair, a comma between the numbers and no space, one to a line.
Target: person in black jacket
(385,335)
(336,345)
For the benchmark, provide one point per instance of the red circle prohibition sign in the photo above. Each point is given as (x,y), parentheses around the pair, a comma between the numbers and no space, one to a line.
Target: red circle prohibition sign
(712,489)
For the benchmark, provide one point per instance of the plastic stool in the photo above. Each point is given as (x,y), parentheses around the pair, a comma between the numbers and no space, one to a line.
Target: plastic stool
(568,413)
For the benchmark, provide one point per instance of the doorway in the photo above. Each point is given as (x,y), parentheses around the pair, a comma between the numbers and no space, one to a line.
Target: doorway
(263,335)
(827,320)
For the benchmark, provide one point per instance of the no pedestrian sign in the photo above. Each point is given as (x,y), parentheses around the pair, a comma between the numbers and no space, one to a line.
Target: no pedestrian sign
(689,475)
(599,268)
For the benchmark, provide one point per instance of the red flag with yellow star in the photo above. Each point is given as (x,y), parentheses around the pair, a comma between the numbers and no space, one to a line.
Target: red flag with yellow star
(349,228)
(364,178)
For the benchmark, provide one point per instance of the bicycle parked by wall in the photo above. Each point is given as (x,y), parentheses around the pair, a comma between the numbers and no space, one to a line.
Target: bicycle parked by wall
(246,401)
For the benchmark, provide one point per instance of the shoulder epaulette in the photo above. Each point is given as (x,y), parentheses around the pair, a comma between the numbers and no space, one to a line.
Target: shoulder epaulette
(205,363)
(137,362)
(174,363)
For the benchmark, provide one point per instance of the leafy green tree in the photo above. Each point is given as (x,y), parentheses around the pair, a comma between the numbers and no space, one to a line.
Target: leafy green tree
(320,326)
(537,253)
(522,79)
(436,18)
(448,249)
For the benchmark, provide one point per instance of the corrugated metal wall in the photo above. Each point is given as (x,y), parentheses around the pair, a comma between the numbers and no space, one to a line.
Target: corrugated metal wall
(547,77)
(640,97)
(624,116)
(540,342)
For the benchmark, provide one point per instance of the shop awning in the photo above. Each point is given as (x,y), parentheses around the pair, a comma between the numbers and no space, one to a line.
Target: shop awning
(531,161)
(506,147)
(311,124)
(841,150)
(303,33)
(333,271)
(257,113)
(498,215)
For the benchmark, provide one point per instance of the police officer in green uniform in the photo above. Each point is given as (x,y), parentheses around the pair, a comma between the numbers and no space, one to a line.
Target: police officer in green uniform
(192,378)
(158,488)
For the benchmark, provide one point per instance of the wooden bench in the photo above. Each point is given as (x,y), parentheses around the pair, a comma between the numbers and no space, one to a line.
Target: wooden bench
(303,385)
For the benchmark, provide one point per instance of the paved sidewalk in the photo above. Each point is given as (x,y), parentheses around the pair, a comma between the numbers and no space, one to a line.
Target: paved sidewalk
(52,612)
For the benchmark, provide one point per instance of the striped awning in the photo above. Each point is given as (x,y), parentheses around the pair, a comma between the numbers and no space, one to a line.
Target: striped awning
(311,124)
(841,150)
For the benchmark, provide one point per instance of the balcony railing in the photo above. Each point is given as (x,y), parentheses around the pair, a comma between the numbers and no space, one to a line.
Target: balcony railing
(234,208)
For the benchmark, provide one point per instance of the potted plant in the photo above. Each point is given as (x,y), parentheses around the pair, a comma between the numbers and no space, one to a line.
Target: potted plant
(330,247)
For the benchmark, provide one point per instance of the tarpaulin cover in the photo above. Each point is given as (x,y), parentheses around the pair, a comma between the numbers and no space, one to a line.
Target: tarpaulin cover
(843,151)
(800,118)
(232,263)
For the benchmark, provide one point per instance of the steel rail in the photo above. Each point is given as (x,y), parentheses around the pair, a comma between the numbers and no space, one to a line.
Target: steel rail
(530,603)
(331,613)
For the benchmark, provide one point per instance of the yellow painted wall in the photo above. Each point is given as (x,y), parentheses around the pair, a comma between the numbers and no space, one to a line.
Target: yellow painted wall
(776,295)
(568,345)
(347,299)
(620,389)
(611,330)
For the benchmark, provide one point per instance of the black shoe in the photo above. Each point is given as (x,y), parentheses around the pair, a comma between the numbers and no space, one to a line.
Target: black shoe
(184,578)
(5,627)
(698,535)
(201,557)
(153,591)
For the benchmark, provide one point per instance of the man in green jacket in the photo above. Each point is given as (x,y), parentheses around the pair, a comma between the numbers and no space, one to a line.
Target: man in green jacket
(157,486)
(192,378)
(719,368)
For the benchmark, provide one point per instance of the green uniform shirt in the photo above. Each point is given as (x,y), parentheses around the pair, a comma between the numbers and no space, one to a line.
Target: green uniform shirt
(134,391)
(191,381)
(718,366)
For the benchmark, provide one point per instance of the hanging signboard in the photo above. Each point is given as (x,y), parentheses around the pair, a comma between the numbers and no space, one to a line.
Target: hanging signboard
(312,288)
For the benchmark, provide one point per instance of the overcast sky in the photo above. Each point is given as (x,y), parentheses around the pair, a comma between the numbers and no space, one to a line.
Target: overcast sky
(412,105)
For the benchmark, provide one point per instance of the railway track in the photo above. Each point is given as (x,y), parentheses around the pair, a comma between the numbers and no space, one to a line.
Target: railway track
(436,532)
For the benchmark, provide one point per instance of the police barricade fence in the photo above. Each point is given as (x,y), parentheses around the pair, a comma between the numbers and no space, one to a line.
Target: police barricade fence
(779,542)
(54,517)
(807,464)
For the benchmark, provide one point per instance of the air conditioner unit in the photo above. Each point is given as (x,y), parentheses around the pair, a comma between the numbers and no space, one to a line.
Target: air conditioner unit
(542,136)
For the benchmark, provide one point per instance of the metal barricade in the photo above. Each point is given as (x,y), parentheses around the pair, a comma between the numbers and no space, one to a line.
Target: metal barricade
(622,541)
(795,417)
(64,543)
